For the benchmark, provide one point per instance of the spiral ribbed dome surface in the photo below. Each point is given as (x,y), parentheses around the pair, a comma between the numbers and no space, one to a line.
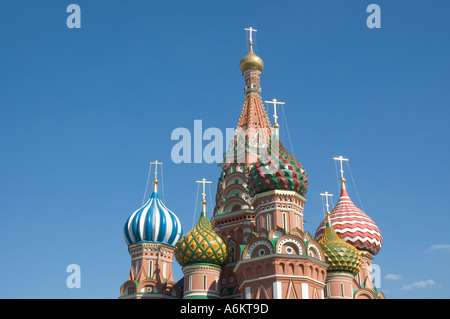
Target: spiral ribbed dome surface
(153,222)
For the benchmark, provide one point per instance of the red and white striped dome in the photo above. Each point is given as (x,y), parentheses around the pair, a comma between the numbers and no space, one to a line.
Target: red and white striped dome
(353,225)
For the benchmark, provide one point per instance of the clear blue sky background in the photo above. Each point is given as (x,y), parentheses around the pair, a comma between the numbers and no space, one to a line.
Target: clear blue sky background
(84,111)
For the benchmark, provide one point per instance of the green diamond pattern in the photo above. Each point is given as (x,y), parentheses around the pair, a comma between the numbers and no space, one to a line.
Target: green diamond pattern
(339,254)
(201,245)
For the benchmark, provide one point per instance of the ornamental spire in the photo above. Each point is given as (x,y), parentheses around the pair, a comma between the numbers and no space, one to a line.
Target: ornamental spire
(253,129)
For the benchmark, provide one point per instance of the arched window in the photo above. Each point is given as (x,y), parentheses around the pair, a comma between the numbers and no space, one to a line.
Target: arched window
(232,250)
(150,268)
(284,221)
(164,269)
(136,270)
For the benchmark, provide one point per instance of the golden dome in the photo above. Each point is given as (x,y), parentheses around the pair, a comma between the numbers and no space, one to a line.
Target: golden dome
(339,254)
(202,244)
(251,61)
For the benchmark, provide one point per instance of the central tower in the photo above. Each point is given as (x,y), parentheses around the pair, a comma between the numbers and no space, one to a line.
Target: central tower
(258,172)
(234,216)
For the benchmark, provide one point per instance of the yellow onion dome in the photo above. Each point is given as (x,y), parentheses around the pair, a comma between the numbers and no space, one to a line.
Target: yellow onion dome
(202,244)
(340,255)
(251,61)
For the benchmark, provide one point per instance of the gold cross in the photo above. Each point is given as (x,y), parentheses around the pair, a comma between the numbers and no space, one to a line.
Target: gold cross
(204,182)
(275,102)
(326,194)
(156,167)
(251,30)
(341,159)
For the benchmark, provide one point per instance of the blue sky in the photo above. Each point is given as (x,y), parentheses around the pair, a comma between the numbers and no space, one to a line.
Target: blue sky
(84,111)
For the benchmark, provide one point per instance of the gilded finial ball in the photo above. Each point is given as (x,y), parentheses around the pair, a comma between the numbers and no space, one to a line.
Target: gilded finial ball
(251,61)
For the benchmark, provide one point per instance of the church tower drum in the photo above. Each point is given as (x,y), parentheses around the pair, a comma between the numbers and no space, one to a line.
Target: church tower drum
(202,253)
(151,233)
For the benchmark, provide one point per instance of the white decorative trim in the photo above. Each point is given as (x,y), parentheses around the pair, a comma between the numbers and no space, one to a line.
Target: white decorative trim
(200,293)
(254,245)
(248,293)
(152,258)
(269,210)
(290,240)
(279,192)
(277,290)
(312,245)
(281,276)
(305,291)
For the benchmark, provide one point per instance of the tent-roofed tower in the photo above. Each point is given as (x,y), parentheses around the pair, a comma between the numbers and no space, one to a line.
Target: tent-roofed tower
(252,136)
(233,213)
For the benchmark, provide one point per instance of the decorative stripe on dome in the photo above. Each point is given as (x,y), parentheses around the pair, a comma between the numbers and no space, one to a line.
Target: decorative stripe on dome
(153,222)
(353,225)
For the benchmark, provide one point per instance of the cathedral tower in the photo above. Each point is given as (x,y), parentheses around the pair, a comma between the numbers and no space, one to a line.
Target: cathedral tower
(151,233)
(234,214)
(356,228)
(202,253)
(344,261)
(280,260)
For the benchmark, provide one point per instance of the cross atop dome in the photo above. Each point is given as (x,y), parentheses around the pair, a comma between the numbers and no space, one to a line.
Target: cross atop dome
(341,159)
(155,181)
(204,182)
(156,163)
(251,30)
(326,194)
(275,116)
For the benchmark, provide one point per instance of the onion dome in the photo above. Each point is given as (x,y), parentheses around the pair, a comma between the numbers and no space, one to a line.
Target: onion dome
(353,225)
(340,255)
(202,244)
(153,222)
(251,61)
(278,169)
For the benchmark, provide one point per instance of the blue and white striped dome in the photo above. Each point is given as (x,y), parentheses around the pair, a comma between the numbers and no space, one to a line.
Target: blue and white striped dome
(153,222)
